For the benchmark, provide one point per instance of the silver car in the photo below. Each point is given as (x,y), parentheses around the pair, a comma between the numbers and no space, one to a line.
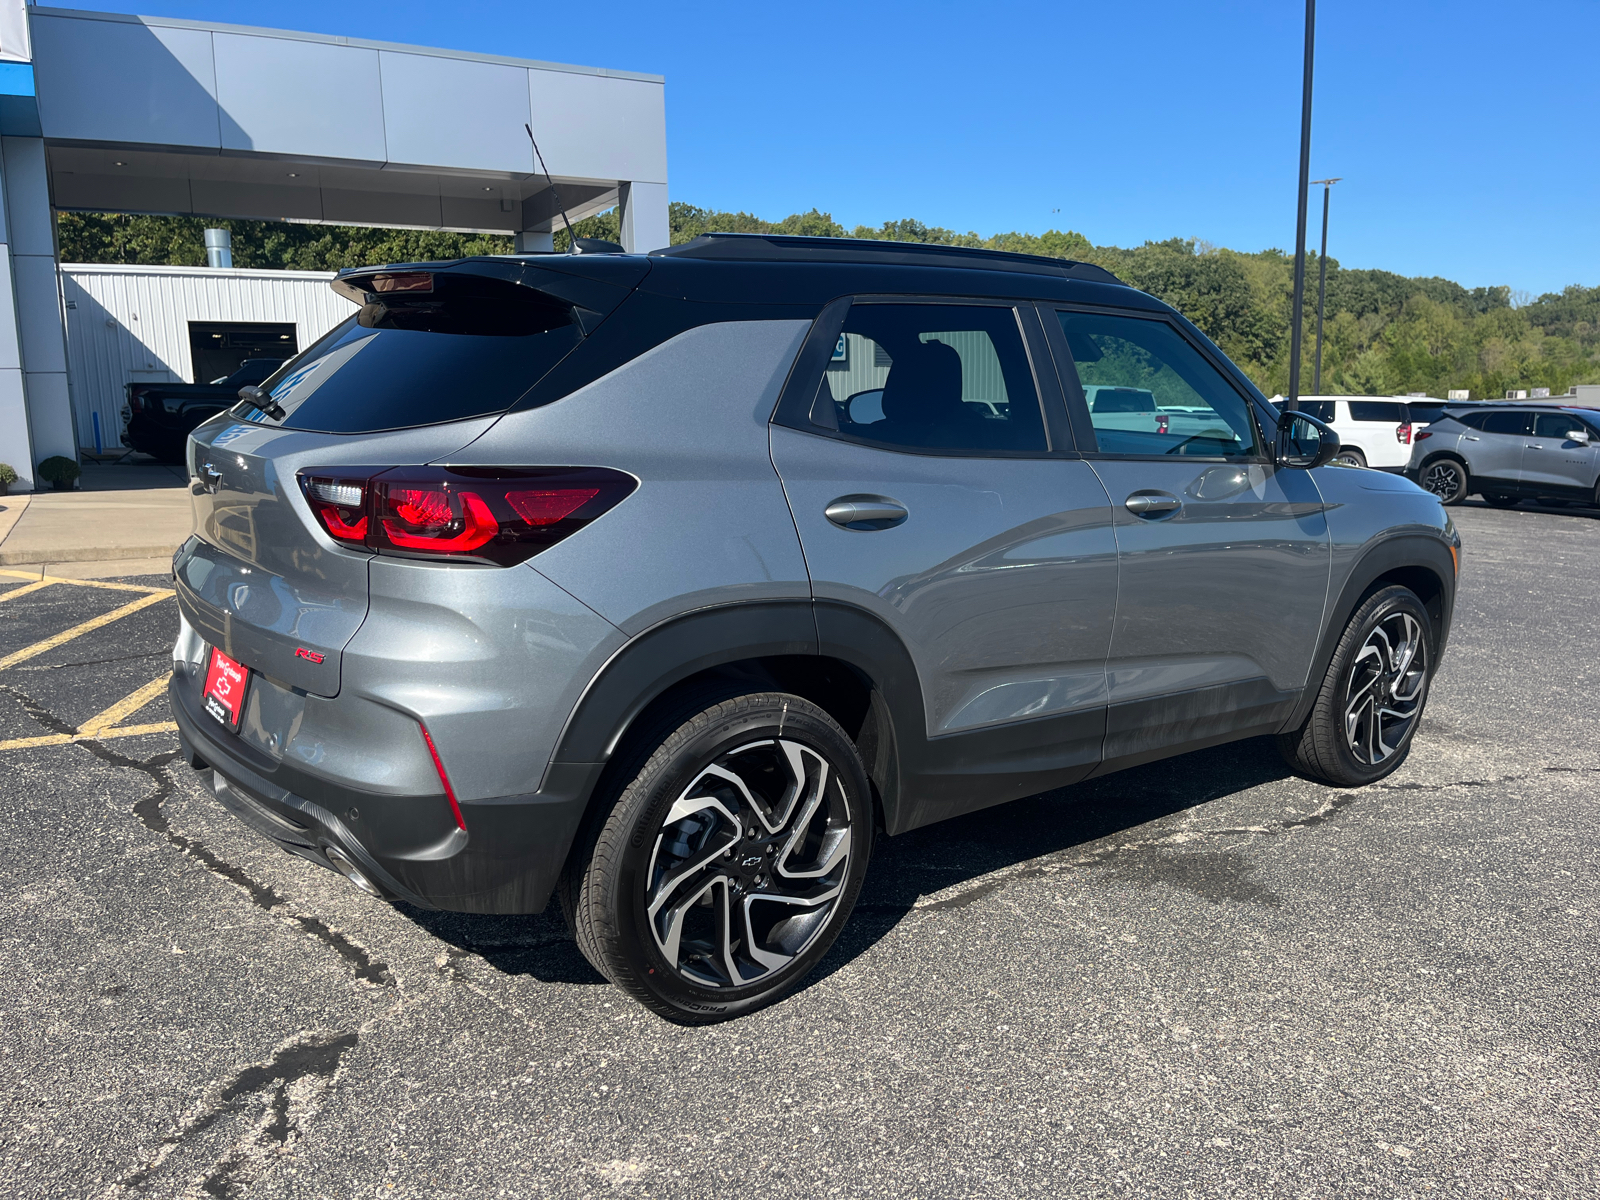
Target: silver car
(590,576)
(1510,453)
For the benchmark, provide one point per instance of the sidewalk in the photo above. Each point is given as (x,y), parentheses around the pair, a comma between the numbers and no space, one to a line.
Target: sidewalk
(124,520)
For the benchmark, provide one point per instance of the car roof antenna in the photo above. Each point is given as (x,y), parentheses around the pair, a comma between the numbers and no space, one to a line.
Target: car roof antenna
(572,238)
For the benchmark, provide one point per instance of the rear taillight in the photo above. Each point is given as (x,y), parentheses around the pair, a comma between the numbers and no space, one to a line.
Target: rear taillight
(1421,435)
(492,515)
(1402,433)
(1161,422)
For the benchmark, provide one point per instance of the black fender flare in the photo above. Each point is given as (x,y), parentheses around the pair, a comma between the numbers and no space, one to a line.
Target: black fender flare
(1428,552)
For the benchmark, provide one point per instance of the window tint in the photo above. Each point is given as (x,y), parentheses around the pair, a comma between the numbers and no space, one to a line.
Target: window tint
(468,349)
(1507,422)
(1473,420)
(1322,410)
(1424,414)
(1377,410)
(932,377)
(1555,425)
(1161,396)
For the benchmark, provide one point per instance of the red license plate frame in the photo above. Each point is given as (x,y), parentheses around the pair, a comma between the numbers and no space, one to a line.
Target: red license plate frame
(226,681)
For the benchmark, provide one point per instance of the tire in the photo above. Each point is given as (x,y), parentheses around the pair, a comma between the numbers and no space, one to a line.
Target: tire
(1351,457)
(1447,479)
(699,936)
(1389,639)
(1501,500)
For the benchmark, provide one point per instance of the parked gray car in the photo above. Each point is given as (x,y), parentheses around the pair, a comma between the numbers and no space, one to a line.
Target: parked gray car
(581,575)
(1509,453)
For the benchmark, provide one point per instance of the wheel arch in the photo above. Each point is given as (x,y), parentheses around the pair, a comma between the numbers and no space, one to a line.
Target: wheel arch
(1420,562)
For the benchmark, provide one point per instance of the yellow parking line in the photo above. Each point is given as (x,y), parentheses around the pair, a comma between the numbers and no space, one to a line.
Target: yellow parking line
(50,643)
(25,589)
(99,726)
(43,580)
(125,707)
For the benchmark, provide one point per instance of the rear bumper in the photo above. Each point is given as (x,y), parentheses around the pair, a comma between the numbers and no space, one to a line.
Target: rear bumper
(506,861)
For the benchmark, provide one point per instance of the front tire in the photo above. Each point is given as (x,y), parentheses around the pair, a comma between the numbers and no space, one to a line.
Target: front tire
(1447,479)
(730,860)
(1371,699)
(1350,458)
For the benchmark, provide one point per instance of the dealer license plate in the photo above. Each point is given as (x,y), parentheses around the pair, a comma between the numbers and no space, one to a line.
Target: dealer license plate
(225,684)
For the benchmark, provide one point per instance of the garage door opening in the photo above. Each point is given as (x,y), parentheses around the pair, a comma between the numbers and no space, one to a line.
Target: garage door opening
(216,348)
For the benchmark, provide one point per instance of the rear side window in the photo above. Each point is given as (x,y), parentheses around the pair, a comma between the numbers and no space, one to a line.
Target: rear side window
(1192,409)
(469,347)
(1377,410)
(1508,422)
(1424,414)
(1472,420)
(1322,410)
(947,377)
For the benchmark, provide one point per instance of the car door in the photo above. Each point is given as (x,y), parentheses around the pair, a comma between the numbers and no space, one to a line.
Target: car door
(928,494)
(1494,449)
(1550,458)
(1224,558)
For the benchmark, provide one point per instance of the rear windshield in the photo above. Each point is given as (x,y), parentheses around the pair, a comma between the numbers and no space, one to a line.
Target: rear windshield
(470,348)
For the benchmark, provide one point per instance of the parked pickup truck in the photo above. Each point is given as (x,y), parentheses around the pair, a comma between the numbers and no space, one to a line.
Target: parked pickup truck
(158,416)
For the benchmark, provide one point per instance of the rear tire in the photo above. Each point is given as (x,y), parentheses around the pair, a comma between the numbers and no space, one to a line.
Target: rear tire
(1447,479)
(730,860)
(1350,458)
(1371,699)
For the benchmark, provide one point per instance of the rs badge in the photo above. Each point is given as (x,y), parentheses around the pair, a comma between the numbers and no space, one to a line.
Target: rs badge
(308,655)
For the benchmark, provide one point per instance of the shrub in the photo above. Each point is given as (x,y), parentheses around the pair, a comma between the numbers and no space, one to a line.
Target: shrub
(8,475)
(59,472)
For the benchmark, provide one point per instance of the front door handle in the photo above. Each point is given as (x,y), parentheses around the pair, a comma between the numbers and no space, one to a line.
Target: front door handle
(864,513)
(1469,438)
(1152,505)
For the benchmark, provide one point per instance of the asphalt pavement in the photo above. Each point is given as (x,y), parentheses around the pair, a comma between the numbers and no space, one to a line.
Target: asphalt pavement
(1205,977)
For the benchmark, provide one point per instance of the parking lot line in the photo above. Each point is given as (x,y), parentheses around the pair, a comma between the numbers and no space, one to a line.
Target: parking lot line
(25,589)
(103,725)
(116,614)
(46,580)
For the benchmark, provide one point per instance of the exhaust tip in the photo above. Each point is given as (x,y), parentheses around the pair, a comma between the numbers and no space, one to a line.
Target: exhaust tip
(342,864)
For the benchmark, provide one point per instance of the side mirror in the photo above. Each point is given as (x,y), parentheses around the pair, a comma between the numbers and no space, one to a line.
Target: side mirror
(1305,442)
(1578,435)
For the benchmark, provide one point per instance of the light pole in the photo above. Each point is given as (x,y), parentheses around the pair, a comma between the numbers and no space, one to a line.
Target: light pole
(1322,285)
(1292,402)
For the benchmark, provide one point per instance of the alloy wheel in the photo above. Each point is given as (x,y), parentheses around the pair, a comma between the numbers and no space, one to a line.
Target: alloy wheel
(749,862)
(1383,698)
(1443,479)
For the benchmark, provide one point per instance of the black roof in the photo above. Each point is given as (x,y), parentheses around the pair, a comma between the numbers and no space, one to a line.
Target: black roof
(772,247)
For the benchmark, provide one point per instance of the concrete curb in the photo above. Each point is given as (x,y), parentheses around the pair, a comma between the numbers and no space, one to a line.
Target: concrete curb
(81,554)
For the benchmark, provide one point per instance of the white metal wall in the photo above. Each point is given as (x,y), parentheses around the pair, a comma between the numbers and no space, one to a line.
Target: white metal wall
(127,323)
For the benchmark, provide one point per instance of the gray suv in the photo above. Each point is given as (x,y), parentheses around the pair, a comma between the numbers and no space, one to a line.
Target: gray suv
(667,584)
(1510,453)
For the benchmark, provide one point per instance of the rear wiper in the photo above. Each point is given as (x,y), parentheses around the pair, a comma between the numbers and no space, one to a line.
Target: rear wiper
(259,399)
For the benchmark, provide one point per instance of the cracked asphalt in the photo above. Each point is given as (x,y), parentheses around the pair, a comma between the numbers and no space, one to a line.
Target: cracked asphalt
(1205,977)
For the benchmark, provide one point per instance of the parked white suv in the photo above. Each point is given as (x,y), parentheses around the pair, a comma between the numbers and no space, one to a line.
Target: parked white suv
(1374,431)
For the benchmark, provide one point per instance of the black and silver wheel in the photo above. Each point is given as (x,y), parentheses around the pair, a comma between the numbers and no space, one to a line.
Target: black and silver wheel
(1371,700)
(1446,478)
(730,860)
(1501,499)
(1350,457)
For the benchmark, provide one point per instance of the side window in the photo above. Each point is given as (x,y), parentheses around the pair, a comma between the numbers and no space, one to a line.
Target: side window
(1556,425)
(1508,422)
(1151,393)
(1322,410)
(1472,420)
(1377,410)
(932,377)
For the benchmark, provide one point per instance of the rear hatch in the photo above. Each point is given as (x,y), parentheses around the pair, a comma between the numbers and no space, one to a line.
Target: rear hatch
(431,360)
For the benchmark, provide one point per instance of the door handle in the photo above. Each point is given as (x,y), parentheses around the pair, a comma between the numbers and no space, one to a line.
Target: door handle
(865,514)
(1532,446)
(1153,505)
(1467,437)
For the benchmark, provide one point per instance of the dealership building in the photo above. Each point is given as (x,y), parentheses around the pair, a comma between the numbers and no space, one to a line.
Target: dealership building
(110,113)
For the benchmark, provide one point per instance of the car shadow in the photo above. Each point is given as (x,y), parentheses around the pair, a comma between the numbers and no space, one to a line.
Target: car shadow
(906,868)
(1573,508)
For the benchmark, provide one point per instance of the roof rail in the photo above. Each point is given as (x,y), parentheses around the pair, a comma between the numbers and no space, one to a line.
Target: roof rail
(774,247)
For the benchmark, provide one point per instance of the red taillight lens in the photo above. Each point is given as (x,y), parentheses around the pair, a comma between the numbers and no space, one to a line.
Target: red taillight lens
(1161,422)
(1402,434)
(491,515)
(1421,435)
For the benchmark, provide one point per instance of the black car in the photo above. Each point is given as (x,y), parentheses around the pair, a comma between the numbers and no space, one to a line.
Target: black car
(158,416)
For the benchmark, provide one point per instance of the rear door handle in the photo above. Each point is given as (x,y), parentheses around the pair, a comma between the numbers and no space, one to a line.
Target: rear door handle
(865,513)
(1152,505)
(1469,438)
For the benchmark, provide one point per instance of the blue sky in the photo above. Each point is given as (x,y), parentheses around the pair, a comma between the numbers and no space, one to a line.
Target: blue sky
(1467,131)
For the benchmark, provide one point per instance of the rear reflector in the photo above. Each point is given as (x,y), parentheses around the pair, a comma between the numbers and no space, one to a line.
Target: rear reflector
(449,792)
(490,515)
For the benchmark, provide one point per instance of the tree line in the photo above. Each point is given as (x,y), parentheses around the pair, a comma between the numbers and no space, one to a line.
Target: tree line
(1383,334)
